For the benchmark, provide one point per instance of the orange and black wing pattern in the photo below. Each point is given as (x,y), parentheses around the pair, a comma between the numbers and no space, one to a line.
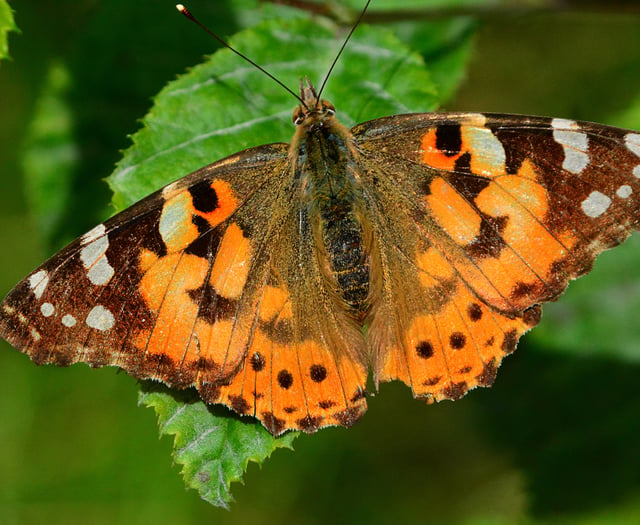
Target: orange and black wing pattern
(415,247)
(206,283)
(480,219)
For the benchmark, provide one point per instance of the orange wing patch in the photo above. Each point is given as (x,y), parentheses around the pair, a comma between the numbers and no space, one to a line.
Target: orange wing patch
(288,383)
(453,213)
(232,263)
(454,342)
(189,291)
(445,354)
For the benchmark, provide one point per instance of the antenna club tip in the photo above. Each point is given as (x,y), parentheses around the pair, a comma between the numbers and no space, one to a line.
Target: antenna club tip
(183,10)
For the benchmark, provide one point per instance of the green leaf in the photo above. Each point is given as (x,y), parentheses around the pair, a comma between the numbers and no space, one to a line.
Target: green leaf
(213,449)
(223,106)
(7,24)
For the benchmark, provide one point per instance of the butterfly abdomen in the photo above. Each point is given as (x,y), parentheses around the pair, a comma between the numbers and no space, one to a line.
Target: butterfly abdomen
(326,168)
(347,258)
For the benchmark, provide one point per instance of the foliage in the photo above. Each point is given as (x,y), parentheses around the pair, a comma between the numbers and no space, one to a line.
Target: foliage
(7,25)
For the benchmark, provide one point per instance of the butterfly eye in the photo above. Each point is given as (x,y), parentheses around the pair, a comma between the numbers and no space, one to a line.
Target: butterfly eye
(328,107)
(298,116)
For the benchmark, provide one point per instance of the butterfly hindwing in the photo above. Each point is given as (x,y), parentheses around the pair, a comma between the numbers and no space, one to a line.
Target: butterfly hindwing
(303,370)
(491,216)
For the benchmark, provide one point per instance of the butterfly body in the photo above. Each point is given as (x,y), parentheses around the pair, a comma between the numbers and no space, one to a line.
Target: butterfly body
(413,247)
(323,159)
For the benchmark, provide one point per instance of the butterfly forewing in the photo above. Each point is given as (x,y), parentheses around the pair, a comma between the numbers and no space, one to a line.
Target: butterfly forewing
(143,290)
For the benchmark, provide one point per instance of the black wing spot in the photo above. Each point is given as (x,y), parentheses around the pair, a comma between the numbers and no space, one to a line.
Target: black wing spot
(532,315)
(455,391)
(272,423)
(424,349)
(474,312)
(212,306)
(318,373)
(488,375)
(285,379)
(457,340)
(309,424)
(258,362)
(490,241)
(204,197)
(449,139)
(359,394)
(239,404)
(509,341)
(432,381)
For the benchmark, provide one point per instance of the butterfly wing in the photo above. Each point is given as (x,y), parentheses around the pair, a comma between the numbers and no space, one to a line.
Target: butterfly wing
(204,284)
(484,217)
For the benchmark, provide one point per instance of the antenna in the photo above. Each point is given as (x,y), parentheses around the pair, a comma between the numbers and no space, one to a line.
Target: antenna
(344,44)
(188,14)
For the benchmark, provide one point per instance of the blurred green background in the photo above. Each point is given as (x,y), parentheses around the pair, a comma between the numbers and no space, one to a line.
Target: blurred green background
(556,440)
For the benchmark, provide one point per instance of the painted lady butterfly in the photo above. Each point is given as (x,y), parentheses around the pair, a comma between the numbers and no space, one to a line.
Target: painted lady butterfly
(414,247)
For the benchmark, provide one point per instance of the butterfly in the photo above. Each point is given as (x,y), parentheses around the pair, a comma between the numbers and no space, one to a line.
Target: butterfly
(413,247)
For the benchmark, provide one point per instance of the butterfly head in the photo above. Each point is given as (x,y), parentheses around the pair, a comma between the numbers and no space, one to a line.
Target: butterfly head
(312,110)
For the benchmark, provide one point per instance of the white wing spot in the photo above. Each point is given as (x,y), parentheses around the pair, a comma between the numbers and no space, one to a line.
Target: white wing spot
(47,309)
(632,140)
(69,321)
(93,234)
(475,119)
(38,283)
(93,258)
(94,250)
(595,204)
(575,161)
(489,149)
(624,191)
(169,189)
(35,335)
(636,171)
(574,143)
(564,123)
(101,272)
(172,215)
(100,318)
